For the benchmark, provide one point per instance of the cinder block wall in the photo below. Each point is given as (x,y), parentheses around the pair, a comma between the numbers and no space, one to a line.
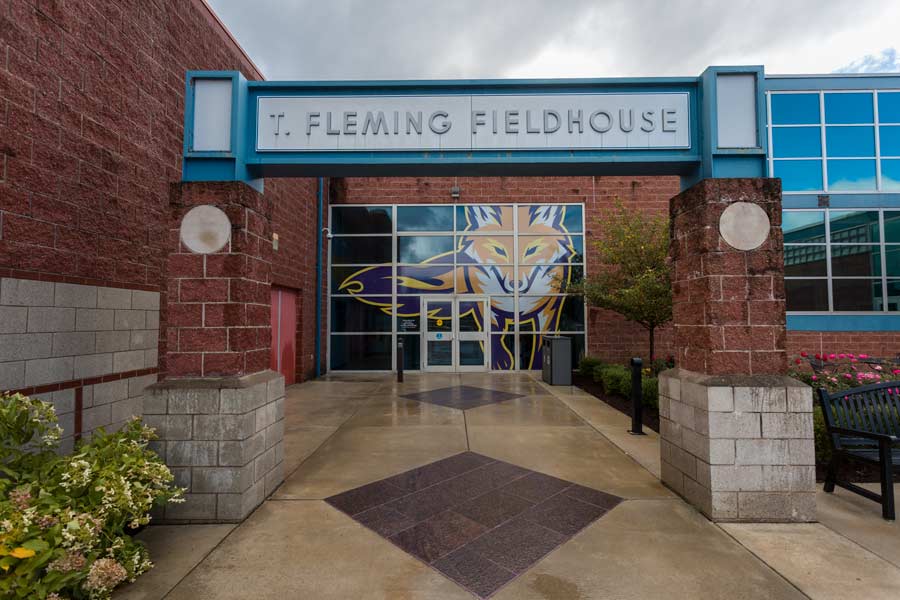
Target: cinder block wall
(89,350)
(223,440)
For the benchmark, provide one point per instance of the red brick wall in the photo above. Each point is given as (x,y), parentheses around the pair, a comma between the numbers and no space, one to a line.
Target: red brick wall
(91,119)
(885,344)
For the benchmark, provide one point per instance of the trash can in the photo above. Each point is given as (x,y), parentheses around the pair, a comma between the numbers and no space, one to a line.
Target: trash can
(557,365)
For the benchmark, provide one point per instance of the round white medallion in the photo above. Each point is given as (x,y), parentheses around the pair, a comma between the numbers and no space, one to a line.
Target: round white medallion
(745,226)
(205,229)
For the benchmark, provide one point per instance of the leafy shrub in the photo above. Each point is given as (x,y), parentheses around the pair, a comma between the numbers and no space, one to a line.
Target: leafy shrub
(616,380)
(587,364)
(64,517)
(659,365)
(650,392)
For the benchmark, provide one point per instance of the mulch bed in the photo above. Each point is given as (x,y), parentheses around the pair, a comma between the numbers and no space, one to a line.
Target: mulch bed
(855,472)
(623,405)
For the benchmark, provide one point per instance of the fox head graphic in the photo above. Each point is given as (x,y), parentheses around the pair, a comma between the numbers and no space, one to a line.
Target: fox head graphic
(491,260)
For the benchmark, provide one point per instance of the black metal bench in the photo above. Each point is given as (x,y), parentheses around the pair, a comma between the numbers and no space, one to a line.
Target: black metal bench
(864,424)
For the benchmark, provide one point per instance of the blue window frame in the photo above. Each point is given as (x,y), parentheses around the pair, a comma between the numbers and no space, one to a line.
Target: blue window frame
(850,141)
(851,175)
(889,138)
(890,175)
(799,175)
(845,108)
(796,142)
(811,149)
(840,260)
(795,109)
(803,226)
(889,107)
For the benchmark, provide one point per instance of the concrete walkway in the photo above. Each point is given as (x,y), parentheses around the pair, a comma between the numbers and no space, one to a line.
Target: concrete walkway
(345,432)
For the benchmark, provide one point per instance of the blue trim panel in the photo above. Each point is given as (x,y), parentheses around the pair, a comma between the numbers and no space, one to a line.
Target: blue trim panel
(836,82)
(884,200)
(879,322)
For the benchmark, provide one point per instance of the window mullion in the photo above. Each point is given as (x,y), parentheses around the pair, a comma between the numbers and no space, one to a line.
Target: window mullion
(884,247)
(824,153)
(877,143)
(828,259)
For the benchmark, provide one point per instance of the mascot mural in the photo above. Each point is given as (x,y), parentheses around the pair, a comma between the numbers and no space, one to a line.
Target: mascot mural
(484,262)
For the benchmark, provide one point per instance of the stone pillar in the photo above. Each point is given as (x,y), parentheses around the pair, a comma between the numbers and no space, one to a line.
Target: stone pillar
(736,432)
(219,411)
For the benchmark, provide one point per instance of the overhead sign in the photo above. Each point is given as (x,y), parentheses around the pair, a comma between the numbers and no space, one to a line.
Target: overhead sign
(473,122)
(693,127)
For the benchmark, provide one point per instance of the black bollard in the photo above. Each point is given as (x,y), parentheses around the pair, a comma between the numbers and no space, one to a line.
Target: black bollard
(399,361)
(637,405)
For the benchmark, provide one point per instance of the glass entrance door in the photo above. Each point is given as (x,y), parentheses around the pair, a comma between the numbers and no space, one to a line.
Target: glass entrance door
(456,336)
(438,349)
(472,346)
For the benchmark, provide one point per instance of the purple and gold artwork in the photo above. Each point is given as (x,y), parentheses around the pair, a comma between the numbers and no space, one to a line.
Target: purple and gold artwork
(500,252)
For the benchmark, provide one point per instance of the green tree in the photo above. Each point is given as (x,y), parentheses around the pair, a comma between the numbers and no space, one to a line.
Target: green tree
(633,275)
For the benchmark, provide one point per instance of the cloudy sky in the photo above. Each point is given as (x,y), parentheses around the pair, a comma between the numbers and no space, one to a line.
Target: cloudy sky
(402,39)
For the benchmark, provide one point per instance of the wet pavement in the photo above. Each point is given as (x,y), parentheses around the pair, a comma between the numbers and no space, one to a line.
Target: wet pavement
(493,485)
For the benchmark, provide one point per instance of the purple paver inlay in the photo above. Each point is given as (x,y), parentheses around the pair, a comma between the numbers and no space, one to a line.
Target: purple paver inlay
(462,397)
(480,522)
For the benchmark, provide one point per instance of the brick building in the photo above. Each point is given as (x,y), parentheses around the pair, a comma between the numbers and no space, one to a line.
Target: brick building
(100,298)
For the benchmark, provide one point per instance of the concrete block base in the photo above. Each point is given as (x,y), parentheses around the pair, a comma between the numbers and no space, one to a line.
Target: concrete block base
(739,448)
(223,438)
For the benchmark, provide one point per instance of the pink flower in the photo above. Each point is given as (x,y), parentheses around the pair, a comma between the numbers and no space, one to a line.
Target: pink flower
(877,367)
(852,355)
(842,356)
(864,356)
(832,356)
(848,375)
(818,357)
(853,360)
(814,378)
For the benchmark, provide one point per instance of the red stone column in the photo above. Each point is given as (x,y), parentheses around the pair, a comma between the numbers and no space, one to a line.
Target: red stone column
(736,434)
(219,411)
(218,318)
(729,307)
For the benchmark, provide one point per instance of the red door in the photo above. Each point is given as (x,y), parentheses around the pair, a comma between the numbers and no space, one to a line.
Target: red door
(284,333)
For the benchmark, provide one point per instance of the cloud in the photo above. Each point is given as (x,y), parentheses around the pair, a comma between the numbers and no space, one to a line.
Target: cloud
(886,62)
(425,39)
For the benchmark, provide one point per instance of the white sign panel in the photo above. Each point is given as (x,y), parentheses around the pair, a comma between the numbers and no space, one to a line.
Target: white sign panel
(502,122)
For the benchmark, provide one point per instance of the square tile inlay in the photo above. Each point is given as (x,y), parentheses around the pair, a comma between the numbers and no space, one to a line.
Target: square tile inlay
(462,397)
(480,522)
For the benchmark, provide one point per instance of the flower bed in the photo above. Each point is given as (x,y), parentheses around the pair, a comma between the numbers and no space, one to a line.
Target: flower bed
(63,519)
